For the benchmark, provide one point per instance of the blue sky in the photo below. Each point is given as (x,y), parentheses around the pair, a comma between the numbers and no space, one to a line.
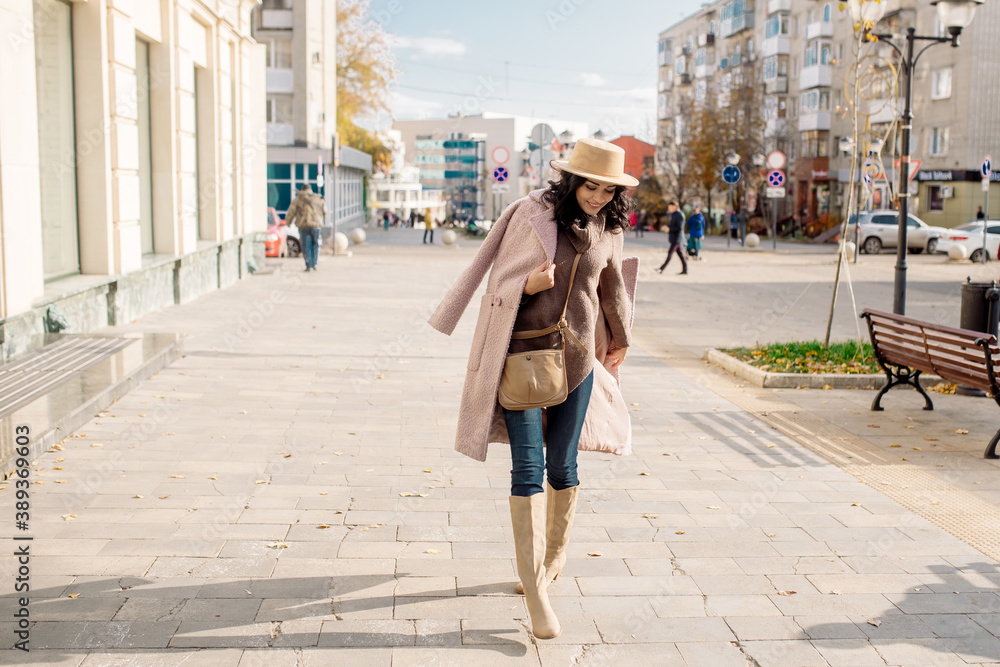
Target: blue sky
(582,60)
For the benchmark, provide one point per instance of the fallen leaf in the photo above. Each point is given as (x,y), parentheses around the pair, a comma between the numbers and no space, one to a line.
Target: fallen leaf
(178,477)
(916,449)
(288,456)
(38,481)
(894,445)
(68,517)
(874,426)
(433,551)
(164,497)
(769,446)
(261,481)
(874,621)
(428,470)
(137,496)
(277,545)
(786,593)
(323,493)
(650,516)
(712,507)
(73,595)
(837,592)
(961,431)
(60,460)
(323,526)
(96,444)
(644,473)
(772,535)
(679,532)
(930,439)
(338,453)
(58,468)
(169,433)
(595,553)
(854,504)
(60,481)
(213,477)
(370,470)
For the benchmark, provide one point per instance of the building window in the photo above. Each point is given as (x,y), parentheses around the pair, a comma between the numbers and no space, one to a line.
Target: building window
(700,56)
(279,53)
(936,201)
(771,67)
(939,141)
(56,138)
(145,146)
(941,84)
(277,4)
(279,108)
(826,13)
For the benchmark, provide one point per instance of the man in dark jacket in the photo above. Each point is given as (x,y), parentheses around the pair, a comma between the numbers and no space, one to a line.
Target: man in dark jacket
(674,236)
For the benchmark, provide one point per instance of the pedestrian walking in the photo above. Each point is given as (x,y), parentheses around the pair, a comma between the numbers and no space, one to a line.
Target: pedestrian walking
(385,219)
(428,226)
(640,224)
(695,230)
(550,252)
(307,212)
(979,213)
(674,229)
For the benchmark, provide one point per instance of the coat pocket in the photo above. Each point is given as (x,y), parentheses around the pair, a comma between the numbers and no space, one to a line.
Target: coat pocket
(482,331)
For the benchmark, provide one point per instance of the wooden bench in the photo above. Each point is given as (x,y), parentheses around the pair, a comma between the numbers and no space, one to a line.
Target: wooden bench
(905,347)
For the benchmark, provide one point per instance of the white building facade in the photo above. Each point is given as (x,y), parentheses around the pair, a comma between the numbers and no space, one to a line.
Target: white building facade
(132,164)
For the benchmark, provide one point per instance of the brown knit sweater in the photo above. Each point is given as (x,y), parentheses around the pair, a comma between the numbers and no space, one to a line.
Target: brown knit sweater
(597,289)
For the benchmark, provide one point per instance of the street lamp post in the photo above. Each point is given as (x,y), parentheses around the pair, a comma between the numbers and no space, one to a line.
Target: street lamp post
(953,15)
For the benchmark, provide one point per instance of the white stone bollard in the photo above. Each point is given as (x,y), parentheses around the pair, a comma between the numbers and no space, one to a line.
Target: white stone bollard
(449,236)
(958,252)
(340,242)
(752,240)
(358,236)
(849,249)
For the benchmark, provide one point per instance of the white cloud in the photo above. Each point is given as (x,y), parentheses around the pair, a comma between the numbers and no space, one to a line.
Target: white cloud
(591,79)
(406,107)
(431,46)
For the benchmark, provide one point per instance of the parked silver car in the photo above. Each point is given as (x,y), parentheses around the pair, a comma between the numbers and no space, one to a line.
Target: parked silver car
(879,229)
(970,235)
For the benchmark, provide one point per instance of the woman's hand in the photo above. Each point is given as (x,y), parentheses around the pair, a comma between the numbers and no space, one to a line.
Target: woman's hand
(616,356)
(542,278)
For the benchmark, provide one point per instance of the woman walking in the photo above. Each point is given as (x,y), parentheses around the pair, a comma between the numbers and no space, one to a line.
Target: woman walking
(557,276)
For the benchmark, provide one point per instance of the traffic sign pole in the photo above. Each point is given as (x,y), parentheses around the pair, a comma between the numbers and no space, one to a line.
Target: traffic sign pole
(985,170)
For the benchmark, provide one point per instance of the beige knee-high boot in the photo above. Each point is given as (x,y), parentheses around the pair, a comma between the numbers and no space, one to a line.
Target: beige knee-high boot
(527,516)
(560,510)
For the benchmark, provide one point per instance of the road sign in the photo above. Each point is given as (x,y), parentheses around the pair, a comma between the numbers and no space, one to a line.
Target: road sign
(775,159)
(500,174)
(776,179)
(986,168)
(867,178)
(501,188)
(986,185)
(731,174)
(774,193)
(500,155)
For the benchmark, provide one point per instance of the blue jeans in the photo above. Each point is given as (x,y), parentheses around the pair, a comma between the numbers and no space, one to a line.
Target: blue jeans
(532,460)
(310,245)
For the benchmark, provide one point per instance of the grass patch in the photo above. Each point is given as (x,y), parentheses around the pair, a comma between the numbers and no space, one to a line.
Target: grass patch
(809,357)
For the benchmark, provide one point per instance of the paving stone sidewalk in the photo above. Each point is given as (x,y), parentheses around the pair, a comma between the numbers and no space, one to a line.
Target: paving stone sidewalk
(287,493)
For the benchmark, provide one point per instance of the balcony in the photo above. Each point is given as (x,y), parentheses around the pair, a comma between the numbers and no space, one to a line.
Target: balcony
(776,85)
(706,39)
(881,111)
(815,76)
(665,59)
(275,19)
(733,25)
(702,71)
(280,134)
(819,29)
(774,6)
(685,79)
(814,120)
(666,83)
(778,45)
(279,80)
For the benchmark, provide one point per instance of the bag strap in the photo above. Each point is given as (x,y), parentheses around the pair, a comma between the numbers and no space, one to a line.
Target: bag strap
(563,325)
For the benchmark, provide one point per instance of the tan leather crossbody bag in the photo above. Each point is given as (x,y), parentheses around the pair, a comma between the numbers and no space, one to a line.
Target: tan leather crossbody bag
(537,379)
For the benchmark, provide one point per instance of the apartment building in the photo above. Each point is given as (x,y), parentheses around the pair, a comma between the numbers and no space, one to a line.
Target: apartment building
(507,142)
(128,169)
(804,52)
(300,38)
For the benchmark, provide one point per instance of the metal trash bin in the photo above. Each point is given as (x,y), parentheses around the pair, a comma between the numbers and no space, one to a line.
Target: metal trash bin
(980,306)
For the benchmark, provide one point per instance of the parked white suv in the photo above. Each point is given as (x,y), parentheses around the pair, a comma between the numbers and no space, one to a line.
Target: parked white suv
(879,229)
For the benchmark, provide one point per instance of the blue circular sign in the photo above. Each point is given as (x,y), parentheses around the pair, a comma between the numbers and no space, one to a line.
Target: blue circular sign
(776,178)
(500,174)
(731,174)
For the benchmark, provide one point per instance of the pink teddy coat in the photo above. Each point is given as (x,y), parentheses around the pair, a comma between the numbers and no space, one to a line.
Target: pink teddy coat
(523,237)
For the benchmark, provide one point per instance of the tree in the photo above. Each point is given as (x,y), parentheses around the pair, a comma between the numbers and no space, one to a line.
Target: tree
(365,70)
(649,196)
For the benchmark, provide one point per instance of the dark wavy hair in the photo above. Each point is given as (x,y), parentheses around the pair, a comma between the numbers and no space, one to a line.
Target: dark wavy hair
(562,195)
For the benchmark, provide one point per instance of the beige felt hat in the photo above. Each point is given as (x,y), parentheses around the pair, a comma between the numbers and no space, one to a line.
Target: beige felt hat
(600,161)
